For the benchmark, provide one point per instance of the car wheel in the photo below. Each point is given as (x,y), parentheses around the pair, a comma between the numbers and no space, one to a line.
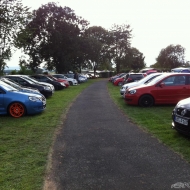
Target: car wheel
(17,110)
(120,83)
(146,101)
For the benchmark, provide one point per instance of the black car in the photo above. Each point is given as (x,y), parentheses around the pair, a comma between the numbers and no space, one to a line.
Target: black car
(133,77)
(43,78)
(18,86)
(46,91)
(181,117)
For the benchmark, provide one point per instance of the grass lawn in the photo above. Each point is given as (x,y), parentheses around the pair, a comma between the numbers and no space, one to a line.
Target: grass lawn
(25,142)
(156,120)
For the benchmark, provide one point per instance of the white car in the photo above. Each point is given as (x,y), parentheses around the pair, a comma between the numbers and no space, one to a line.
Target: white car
(144,80)
(70,80)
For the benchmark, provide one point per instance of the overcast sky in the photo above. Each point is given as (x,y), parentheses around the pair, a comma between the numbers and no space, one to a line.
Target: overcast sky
(156,24)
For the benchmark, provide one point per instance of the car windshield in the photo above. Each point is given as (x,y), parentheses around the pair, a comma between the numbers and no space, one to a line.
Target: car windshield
(146,78)
(157,79)
(7,86)
(11,84)
(30,79)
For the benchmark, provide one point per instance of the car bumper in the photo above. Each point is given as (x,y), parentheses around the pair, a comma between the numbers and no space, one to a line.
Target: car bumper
(183,129)
(132,100)
(47,93)
(35,108)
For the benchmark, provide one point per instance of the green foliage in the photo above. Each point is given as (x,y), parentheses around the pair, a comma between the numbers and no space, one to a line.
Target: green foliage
(133,60)
(96,46)
(54,37)
(13,17)
(120,44)
(171,57)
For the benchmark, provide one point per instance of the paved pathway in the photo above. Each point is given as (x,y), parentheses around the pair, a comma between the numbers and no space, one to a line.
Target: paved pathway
(99,149)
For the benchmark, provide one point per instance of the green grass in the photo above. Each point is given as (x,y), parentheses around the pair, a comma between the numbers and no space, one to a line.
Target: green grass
(155,120)
(25,142)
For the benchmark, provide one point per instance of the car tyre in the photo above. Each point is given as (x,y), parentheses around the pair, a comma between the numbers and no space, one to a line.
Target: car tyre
(17,109)
(146,101)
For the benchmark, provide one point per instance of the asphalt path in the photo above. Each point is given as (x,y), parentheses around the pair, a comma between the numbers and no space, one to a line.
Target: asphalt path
(98,148)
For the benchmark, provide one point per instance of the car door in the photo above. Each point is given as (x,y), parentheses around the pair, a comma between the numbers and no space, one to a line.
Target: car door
(172,89)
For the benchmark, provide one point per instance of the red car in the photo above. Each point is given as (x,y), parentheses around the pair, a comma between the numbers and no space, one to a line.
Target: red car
(66,82)
(168,88)
(129,77)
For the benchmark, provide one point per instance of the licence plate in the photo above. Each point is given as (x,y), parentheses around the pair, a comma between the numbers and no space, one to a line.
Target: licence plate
(182,121)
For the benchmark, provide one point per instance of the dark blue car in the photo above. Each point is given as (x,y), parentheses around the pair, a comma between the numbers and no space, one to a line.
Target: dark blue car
(17,103)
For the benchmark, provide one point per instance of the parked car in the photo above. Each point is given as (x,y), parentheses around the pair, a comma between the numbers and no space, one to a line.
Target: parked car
(43,78)
(185,71)
(20,87)
(17,103)
(116,76)
(82,78)
(69,75)
(66,82)
(71,81)
(151,72)
(133,77)
(144,80)
(181,117)
(46,91)
(42,83)
(118,81)
(168,88)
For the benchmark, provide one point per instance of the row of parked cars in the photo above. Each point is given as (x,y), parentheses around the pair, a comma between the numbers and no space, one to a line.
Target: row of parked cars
(162,88)
(23,94)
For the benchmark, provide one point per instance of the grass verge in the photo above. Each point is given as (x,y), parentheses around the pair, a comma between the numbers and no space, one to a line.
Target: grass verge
(155,120)
(25,142)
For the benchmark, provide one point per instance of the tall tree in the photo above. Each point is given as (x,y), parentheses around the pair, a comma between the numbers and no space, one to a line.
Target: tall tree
(54,33)
(13,17)
(96,52)
(120,43)
(172,56)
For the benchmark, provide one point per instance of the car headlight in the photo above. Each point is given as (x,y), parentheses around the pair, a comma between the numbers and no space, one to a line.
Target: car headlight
(47,88)
(33,98)
(132,91)
(62,84)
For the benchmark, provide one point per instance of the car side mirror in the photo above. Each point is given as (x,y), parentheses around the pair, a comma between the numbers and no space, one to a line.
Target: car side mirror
(162,84)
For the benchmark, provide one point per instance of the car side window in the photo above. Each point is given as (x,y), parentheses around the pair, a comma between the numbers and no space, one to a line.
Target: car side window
(169,81)
(179,80)
(174,81)
(43,79)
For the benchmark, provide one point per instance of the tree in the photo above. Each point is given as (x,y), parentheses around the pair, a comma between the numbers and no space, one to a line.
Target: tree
(120,36)
(52,37)
(96,52)
(137,58)
(170,57)
(13,17)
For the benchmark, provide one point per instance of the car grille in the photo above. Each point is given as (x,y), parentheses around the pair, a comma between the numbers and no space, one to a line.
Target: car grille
(180,110)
